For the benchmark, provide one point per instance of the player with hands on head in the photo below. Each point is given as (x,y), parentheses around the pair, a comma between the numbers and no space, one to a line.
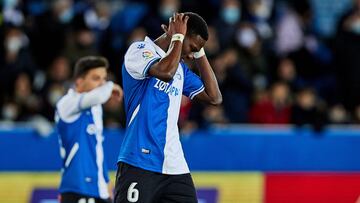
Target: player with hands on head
(151,163)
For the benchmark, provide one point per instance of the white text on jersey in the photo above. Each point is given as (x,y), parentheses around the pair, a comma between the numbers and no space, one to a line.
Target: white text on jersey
(166,87)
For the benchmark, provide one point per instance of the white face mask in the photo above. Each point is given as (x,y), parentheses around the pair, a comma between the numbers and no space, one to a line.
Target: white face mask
(246,37)
(167,11)
(355,27)
(13,45)
(54,96)
(9,112)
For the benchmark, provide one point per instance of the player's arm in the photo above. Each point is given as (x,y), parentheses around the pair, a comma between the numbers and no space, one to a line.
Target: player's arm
(212,93)
(100,95)
(166,68)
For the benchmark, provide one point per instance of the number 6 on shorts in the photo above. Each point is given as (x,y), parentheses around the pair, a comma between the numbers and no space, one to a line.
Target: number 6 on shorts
(132,193)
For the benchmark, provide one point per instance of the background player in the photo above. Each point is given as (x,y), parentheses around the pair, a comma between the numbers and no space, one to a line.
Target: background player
(79,125)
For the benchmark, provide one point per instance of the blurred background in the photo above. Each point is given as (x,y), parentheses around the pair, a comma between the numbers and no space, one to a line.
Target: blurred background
(287,131)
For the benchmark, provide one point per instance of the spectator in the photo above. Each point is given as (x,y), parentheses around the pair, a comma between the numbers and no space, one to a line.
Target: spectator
(338,115)
(286,72)
(312,59)
(356,115)
(12,12)
(348,57)
(251,55)
(212,47)
(327,14)
(49,30)
(57,84)
(10,111)
(291,27)
(259,14)
(27,101)
(274,108)
(308,110)
(214,115)
(252,43)
(16,58)
(236,87)
(98,17)
(137,34)
(164,11)
(230,16)
(82,44)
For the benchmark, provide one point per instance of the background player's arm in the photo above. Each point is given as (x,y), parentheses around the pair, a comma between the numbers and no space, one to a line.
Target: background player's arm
(72,105)
(100,95)
(212,93)
(166,68)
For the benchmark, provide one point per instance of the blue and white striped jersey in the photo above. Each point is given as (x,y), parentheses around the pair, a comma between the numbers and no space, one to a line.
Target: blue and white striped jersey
(79,125)
(152,109)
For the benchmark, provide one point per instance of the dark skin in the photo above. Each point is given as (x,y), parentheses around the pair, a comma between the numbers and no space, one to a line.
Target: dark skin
(166,68)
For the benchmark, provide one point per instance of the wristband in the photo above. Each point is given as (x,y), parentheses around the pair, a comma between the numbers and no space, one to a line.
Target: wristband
(199,54)
(177,37)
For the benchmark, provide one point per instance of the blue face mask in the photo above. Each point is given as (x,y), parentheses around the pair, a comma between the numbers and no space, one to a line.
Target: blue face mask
(10,3)
(230,15)
(66,16)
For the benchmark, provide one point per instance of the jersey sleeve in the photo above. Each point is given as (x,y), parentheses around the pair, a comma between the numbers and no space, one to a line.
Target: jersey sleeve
(139,58)
(72,104)
(96,96)
(193,85)
(68,107)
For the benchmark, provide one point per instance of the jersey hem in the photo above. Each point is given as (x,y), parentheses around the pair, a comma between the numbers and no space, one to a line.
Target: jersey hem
(81,193)
(149,168)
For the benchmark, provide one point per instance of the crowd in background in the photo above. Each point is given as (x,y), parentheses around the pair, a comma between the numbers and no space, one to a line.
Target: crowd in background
(276,61)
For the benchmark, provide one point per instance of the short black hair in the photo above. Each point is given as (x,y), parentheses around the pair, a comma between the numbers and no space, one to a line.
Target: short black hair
(87,63)
(197,25)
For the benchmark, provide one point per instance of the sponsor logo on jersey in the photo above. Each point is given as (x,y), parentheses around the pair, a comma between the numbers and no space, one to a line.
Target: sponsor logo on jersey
(167,87)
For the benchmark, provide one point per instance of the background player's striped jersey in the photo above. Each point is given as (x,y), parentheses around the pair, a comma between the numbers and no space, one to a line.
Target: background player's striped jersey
(80,126)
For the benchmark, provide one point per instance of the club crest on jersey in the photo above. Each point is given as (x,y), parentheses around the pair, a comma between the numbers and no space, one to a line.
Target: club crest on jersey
(140,46)
(147,54)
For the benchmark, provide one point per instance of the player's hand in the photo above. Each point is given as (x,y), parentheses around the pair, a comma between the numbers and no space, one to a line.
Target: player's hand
(111,189)
(177,24)
(117,92)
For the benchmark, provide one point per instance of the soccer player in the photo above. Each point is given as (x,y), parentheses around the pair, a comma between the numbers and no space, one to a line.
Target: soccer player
(151,163)
(80,127)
